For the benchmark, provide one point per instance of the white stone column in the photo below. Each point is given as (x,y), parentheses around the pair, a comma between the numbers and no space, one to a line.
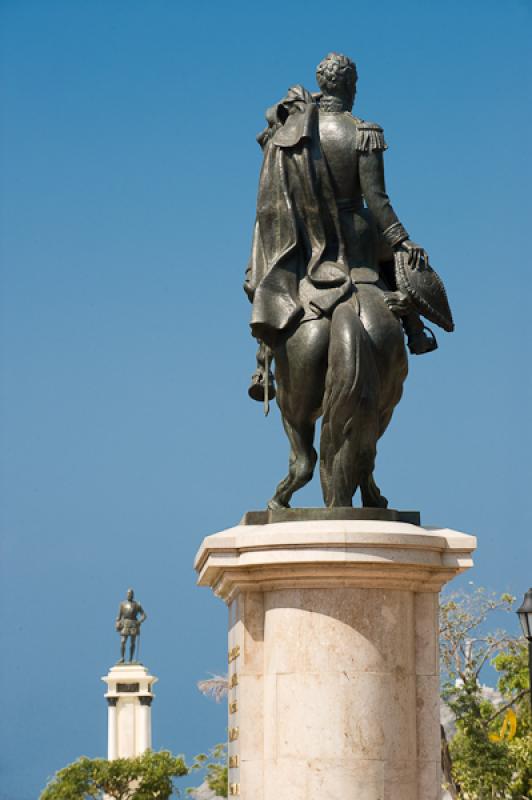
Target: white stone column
(112,728)
(144,724)
(129,697)
(333,656)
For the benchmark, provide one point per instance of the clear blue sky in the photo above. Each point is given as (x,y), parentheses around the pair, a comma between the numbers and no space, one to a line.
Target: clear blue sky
(129,173)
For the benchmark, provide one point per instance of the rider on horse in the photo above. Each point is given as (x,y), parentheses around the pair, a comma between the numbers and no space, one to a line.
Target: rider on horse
(323,249)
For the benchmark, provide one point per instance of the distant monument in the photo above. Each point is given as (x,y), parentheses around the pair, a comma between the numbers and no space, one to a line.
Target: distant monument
(333,612)
(129,689)
(335,283)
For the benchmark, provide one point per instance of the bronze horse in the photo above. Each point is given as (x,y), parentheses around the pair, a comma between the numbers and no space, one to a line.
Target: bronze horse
(327,303)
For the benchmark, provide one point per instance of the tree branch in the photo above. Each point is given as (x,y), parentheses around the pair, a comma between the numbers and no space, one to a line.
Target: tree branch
(506,706)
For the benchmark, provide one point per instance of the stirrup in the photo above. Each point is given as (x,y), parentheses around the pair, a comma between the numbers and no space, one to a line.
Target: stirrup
(256,388)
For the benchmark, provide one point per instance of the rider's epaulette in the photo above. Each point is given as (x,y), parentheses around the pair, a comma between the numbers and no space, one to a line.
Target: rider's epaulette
(370,136)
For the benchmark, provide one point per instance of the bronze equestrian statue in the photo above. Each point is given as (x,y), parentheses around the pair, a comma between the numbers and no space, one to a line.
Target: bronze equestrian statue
(335,283)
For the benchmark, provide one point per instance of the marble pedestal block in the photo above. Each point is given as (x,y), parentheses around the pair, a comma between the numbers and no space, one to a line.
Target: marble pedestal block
(129,697)
(333,656)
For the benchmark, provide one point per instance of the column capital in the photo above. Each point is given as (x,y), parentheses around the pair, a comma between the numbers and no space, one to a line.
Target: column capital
(145,700)
(112,701)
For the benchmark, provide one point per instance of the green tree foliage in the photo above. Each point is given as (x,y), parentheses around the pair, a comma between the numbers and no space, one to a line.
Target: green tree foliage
(148,777)
(491,751)
(215,765)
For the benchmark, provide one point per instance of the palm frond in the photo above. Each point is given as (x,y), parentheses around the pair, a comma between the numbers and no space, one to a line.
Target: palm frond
(216,687)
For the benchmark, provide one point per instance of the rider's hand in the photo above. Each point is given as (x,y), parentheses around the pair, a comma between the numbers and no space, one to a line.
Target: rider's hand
(418,258)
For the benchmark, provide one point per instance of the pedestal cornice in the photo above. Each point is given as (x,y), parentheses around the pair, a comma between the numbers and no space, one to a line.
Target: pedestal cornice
(129,680)
(321,554)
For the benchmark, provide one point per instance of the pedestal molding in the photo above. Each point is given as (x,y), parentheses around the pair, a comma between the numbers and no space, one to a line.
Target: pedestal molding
(319,554)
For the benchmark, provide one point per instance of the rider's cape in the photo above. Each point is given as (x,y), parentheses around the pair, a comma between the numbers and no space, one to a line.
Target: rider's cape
(297,222)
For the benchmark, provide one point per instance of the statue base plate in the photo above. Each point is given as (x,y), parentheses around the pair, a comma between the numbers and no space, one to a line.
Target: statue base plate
(327,514)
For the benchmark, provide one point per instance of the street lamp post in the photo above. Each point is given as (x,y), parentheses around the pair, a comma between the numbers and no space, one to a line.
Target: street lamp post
(525,618)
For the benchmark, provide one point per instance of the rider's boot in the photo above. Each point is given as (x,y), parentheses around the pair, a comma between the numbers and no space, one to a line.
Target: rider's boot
(420,339)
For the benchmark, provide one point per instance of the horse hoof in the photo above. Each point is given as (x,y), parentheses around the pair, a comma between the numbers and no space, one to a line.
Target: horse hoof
(371,496)
(375,502)
(275,504)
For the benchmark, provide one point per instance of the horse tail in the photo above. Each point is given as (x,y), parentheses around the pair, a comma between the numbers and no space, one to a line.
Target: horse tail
(350,425)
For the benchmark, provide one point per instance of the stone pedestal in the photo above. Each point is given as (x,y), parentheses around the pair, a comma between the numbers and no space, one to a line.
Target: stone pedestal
(333,656)
(129,697)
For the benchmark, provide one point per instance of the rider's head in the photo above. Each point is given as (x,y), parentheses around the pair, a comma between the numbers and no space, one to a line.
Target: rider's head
(130,594)
(337,76)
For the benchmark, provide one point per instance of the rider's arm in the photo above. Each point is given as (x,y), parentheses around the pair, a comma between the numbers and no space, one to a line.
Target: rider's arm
(371,145)
(371,171)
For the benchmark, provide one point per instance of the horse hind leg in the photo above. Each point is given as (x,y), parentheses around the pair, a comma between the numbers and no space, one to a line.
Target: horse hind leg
(301,464)
(371,494)
(300,367)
